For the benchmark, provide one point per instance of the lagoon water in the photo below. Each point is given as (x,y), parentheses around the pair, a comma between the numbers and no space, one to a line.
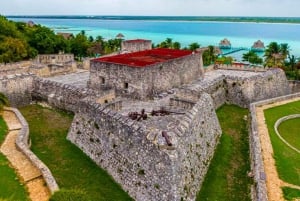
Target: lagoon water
(186,32)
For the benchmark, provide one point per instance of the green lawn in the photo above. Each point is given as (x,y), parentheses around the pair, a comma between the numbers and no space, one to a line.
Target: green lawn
(290,131)
(10,187)
(72,169)
(290,193)
(287,160)
(227,175)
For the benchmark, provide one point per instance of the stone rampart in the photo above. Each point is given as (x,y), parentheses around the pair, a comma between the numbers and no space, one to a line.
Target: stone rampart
(23,144)
(294,85)
(141,159)
(17,88)
(60,95)
(257,165)
(238,87)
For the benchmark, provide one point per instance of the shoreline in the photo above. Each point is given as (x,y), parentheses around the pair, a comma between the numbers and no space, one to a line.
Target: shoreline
(230,19)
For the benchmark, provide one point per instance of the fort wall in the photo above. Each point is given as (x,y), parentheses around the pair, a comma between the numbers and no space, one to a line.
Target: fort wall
(237,87)
(295,86)
(17,88)
(136,45)
(143,82)
(140,159)
(60,95)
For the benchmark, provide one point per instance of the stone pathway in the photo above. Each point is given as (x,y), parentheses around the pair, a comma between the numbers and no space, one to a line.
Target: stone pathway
(78,79)
(28,173)
(274,183)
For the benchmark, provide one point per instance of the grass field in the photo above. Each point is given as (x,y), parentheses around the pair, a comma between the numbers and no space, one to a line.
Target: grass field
(290,131)
(287,160)
(227,175)
(10,187)
(73,170)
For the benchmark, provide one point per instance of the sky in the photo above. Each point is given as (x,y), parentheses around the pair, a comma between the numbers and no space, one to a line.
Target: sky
(280,8)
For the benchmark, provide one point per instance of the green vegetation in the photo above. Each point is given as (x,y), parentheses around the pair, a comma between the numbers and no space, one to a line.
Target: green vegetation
(3,101)
(287,160)
(252,57)
(19,41)
(227,177)
(72,169)
(10,187)
(290,131)
(290,193)
(209,56)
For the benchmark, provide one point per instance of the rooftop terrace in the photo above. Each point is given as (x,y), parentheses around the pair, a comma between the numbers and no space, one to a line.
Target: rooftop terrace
(145,58)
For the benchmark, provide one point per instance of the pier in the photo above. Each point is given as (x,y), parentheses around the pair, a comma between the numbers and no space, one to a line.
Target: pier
(233,50)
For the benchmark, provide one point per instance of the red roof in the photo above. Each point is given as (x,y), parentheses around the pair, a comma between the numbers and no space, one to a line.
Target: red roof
(145,58)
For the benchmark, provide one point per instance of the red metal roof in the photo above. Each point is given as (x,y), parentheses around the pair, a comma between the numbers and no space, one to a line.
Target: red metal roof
(145,58)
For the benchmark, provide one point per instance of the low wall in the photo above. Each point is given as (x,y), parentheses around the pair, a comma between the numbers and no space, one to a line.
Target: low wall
(17,88)
(60,95)
(257,165)
(23,144)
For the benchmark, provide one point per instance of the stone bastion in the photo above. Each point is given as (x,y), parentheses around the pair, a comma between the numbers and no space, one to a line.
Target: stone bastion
(163,157)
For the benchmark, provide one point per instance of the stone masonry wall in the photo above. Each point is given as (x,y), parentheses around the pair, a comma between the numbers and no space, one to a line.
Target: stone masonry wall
(60,95)
(140,159)
(237,87)
(17,88)
(147,81)
(120,146)
(136,45)
(270,84)
(295,86)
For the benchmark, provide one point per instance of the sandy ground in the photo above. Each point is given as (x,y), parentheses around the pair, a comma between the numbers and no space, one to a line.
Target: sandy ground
(27,172)
(274,184)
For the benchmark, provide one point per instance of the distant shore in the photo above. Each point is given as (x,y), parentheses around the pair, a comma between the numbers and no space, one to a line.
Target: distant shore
(295,20)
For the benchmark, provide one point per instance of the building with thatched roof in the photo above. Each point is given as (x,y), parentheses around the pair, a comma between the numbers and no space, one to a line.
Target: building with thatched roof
(66,36)
(30,23)
(225,44)
(258,46)
(120,36)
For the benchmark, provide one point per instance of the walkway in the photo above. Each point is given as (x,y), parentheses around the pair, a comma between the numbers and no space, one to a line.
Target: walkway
(28,173)
(274,183)
(78,79)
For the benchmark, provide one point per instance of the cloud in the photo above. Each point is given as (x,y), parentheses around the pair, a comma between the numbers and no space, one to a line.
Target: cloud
(152,7)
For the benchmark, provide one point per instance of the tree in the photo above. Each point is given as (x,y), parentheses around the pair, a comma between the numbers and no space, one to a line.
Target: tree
(252,57)
(13,49)
(276,54)
(176,45)
(80,45)
(194,46)
(209,55)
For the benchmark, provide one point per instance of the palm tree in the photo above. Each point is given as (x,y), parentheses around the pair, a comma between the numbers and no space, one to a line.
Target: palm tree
(194,46)
(275,54)
(176,45)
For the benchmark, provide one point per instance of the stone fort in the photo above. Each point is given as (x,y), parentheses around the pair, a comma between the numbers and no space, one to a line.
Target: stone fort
(148,117)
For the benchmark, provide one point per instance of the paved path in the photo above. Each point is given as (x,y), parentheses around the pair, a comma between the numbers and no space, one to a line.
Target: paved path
(274,183)
(28,173)
(78,79)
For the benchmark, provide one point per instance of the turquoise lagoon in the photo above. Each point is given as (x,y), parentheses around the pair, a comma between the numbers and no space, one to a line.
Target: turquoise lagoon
(241,34)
